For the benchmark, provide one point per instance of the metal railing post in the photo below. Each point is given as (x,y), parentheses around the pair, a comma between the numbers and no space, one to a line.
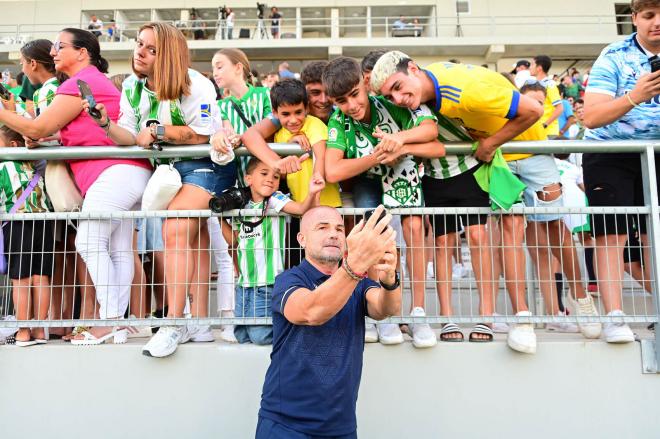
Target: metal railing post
(653,230)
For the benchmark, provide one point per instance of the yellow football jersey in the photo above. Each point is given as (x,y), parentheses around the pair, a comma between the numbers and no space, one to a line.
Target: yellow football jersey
(479,99)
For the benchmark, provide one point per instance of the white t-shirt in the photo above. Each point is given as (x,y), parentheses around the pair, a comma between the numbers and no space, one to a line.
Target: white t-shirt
(198,110)
(96,25)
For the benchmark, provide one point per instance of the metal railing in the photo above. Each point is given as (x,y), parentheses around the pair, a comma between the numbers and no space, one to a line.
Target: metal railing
(351,26)
(639,297)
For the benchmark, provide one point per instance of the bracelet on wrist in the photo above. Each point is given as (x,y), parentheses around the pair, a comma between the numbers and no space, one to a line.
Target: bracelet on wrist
(630,100)
(352,274)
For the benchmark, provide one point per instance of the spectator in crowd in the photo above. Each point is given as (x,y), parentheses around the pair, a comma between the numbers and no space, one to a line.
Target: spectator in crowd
(245,106)
(552,107)
(521,72)
(572,87)
(319,310)
(622,101)
(492,119)
(275,22)
(576,131)
(29,244)
(417,26)
(106,184)
(113,31)
(566,119)
(260,261)
(363,131)
(368,63)
(319,103)
(229,23)
(197,27)
(400,23)
(284,72)
(164,100)
(550,240)
(270,79)
(95,26)
(118,80)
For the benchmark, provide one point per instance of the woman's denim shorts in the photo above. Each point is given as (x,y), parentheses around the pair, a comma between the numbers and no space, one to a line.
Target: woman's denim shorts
(207,175)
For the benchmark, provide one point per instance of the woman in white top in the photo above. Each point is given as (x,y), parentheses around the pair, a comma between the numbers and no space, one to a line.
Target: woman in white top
(165,100)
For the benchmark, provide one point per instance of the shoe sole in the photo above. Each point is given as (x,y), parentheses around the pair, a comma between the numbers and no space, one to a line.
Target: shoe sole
(371,340)
(391,341)
(202,339)
(425,344)
(622,339)
(520,348)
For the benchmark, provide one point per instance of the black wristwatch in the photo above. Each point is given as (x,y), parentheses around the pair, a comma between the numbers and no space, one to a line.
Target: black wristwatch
(395,285)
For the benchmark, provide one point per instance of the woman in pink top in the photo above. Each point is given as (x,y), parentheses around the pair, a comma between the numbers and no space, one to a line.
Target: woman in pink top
(108,185)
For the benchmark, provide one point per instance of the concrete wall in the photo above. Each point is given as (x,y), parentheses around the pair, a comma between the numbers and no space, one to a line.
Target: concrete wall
(570,388)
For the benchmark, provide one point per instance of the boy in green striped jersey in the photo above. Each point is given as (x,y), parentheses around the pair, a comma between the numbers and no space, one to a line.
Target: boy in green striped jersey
(377,142)
(260,246)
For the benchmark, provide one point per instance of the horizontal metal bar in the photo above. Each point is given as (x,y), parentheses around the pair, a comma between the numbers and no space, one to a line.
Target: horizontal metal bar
(651,318)
(90,152)
(594,210)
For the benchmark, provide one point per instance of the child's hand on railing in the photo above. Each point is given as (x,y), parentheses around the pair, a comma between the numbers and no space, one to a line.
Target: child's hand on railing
(302,140)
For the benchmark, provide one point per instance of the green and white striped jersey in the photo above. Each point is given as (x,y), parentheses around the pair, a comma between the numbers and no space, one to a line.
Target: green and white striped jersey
(44,95)
(261,249)
(255,105)
(450,165)
(14,179)
(139,105)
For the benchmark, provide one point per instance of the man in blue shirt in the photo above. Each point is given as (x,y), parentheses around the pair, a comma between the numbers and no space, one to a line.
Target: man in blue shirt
(622,101)
(319,307)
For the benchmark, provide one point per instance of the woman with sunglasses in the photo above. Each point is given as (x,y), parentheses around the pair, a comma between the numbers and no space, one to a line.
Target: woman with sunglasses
(109,185)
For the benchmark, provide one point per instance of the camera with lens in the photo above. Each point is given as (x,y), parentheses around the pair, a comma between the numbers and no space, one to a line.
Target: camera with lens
(261,10)
(230,199)
(223,12)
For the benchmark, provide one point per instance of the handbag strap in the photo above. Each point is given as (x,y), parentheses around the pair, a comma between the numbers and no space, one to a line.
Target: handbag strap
(26,193)
(240,113)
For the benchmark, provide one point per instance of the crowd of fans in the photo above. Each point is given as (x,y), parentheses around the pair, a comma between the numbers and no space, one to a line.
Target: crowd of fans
(372,134)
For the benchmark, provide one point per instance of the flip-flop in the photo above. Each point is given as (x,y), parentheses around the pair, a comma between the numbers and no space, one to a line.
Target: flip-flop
(483,329)
(450,328)
(117,335)
(26,343)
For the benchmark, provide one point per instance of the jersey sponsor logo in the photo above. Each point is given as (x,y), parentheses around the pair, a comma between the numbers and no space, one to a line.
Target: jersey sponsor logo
(205,113)
(332,134)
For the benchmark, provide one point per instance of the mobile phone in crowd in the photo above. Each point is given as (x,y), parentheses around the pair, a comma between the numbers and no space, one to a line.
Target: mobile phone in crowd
(655,63)
(369,213)
(86,93)
(4,93)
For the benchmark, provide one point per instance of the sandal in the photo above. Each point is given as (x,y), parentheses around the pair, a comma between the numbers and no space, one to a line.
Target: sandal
(450,329)
(117,334)
(77,330)
(482,329)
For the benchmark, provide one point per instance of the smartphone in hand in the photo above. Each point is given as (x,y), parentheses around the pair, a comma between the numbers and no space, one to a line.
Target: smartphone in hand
(368,214)
(655,63)
(86,93)
(4,93)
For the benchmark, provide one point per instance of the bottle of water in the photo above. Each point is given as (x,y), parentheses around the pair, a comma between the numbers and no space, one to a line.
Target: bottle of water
(6,76)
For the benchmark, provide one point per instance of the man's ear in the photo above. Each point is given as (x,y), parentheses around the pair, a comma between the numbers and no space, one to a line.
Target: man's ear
(301,239)
(412,67)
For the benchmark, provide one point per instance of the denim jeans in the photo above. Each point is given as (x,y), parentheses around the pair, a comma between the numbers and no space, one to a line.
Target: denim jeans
(254,302)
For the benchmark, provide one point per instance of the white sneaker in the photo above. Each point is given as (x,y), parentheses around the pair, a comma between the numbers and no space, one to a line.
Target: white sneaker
(138,331)
(164,342)
(370,333)
(500,327)
(422,334)
(227,331)
(197,333)
(458,271)
(227,334)
(430,271)
(389,333)
(586,307)
(567,327)
(8,332)
(521,336)
(617,332)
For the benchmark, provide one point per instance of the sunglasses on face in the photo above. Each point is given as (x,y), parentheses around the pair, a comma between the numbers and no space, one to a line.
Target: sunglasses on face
(59,46)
